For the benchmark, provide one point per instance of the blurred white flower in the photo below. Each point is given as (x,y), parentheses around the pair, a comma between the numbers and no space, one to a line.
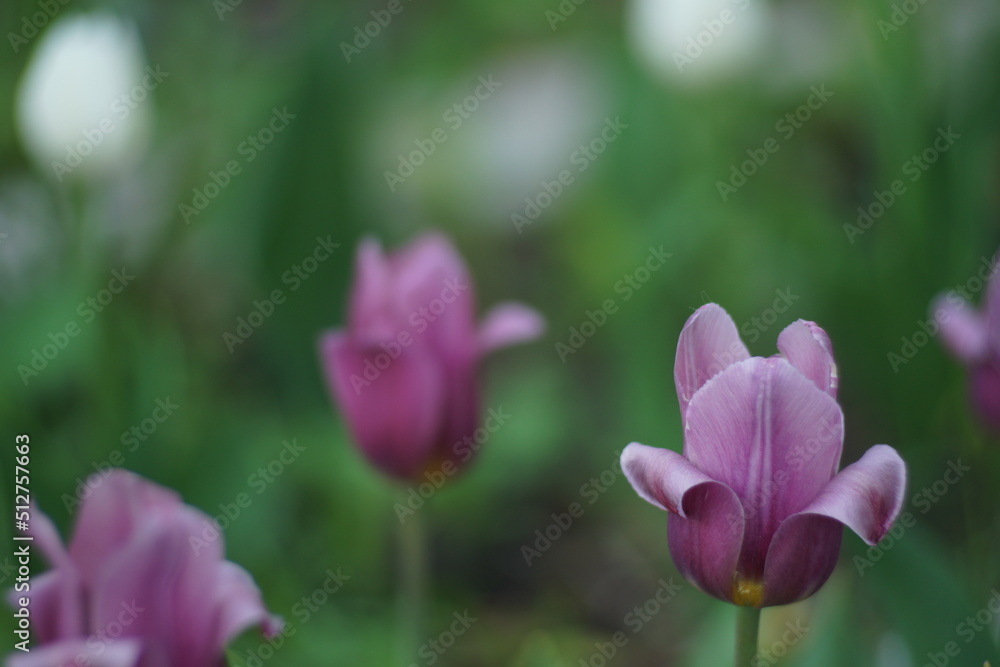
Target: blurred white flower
(698,41)
(497,149)
(82,104)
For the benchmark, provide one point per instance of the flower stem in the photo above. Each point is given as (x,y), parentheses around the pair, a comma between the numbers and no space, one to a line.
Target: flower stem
(412,564)
(747,628)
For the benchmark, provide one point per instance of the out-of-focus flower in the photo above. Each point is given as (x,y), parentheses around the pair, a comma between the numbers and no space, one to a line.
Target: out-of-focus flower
(403,370)
(138,585)
(756,503)
(973,337)
(82,105)
(698,41)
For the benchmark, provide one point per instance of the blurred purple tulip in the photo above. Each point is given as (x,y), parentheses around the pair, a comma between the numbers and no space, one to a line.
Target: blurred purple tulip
(403,370)
(130,591)
(973,337)
(755,504)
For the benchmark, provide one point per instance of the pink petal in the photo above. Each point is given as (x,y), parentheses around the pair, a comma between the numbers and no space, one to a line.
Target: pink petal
(56,601)
(159,587)
(374,308)
(240,606)
(802,556)
(987,272)
(508,324)
(393,407)
(708,344)
(984,387)
(116,503)
(963,330)
(70,653)
(807,347)
(705,526)
(765,431)
(866,496)
(438,296)
(47,539)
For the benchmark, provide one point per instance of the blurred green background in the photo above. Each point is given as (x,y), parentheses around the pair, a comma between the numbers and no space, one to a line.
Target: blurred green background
(564,70)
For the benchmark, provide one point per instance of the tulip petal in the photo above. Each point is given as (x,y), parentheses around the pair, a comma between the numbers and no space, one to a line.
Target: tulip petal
(240,605)
(764,430)
(435,287)
(395,414)
(155,587)
(991,305)
(705,526)
(47,539)
(372,311)
(70,653)
(802,556)
(984,387)
(963,330)
(509,324)
(708,344)
(866,496)
(56,600)
(807,347)
(117,501)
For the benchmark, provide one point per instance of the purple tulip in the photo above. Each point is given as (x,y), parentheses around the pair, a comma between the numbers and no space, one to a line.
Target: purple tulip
(130,591)
(403,370)
(974,339)
(756,504)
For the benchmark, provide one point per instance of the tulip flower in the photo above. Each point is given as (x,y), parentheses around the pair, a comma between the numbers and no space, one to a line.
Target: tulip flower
(973,337)
(82,101)
(130,591)
(756,505)
(403,370)
(698,42)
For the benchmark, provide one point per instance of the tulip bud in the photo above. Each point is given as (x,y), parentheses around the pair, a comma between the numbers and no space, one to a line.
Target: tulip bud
(403,370)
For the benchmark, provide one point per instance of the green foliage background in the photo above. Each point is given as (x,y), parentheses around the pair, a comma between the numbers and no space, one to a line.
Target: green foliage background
(656,185)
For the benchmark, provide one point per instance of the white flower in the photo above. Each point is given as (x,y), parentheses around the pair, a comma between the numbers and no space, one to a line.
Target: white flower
(695,41)
(82,106)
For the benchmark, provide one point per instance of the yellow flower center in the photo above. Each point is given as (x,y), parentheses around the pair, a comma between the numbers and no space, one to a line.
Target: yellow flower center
(747,593)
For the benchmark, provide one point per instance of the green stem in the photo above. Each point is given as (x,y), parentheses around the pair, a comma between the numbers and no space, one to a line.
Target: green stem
(412,586)
(747,629)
